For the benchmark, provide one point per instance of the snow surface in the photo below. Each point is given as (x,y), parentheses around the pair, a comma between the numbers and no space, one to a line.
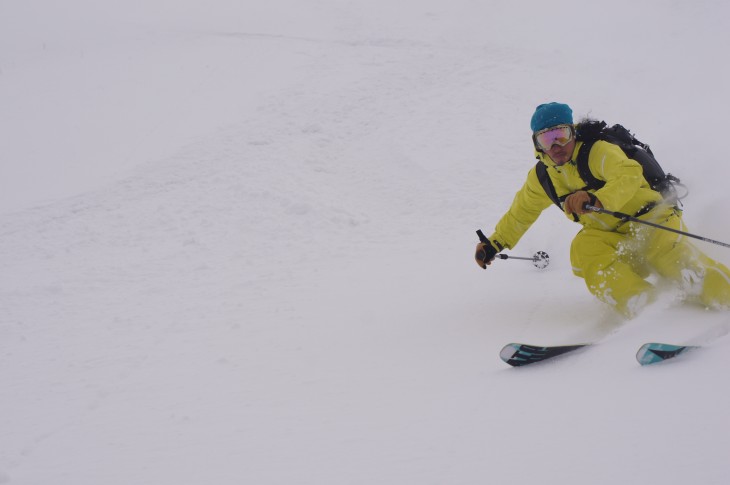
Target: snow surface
(236,243)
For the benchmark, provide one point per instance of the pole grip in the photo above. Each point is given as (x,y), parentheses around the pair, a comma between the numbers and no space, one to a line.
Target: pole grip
(482,237)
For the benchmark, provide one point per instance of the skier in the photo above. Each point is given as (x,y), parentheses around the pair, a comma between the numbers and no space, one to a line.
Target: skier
(614,257)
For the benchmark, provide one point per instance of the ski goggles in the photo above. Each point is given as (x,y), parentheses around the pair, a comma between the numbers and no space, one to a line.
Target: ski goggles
(557,135)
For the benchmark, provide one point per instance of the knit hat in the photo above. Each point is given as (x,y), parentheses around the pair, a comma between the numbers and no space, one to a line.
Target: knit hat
(551,114)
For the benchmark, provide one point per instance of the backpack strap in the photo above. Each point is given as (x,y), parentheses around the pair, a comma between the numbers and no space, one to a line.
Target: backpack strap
(547,184)
(584,171)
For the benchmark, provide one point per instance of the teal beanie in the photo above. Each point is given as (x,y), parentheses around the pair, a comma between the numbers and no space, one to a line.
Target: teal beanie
(551,114)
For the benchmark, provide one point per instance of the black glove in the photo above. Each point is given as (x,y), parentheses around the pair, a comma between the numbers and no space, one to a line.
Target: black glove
(485,253)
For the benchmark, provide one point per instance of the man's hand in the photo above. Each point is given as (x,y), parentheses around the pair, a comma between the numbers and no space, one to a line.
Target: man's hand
(485,254)
(574,202)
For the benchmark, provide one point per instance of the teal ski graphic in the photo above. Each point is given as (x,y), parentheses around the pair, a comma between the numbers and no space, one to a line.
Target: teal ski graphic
(654,352)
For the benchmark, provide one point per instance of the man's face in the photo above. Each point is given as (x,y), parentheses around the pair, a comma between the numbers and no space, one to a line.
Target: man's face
(561,155)
(558,142)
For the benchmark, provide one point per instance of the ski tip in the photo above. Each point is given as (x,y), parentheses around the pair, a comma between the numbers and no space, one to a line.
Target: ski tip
(655,352)
(517,355)
(509,351)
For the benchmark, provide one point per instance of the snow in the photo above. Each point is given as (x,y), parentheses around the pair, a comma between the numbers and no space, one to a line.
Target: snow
(236,243)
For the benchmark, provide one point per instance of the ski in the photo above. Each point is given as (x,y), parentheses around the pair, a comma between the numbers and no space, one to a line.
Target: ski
(518,355)
(654,352)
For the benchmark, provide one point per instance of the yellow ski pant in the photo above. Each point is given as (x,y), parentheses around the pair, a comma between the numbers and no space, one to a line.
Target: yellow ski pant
(615,265)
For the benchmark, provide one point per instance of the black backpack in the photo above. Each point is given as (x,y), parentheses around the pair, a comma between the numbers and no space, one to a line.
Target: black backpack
(591,131)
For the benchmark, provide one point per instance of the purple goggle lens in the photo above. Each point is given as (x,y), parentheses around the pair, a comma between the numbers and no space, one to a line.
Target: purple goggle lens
(559,135)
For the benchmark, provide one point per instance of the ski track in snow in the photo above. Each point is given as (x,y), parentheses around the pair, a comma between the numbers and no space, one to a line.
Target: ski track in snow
(281,289)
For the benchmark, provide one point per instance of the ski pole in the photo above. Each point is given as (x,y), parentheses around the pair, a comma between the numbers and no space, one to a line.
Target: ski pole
(625,217)
(540,259)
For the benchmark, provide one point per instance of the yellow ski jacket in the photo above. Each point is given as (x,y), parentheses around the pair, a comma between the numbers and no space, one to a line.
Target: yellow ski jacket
(626,191)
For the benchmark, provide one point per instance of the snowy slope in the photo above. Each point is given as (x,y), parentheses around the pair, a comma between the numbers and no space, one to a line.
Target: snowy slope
(236,244)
